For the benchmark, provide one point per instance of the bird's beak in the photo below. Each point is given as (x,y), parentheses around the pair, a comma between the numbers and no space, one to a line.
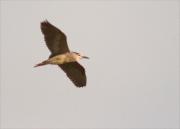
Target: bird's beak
(85,57)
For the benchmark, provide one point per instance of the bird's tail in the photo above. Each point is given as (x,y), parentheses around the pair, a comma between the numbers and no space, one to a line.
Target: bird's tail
(42,63)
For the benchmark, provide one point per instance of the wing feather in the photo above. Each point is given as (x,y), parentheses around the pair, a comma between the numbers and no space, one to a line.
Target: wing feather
(75,72)
(55,39)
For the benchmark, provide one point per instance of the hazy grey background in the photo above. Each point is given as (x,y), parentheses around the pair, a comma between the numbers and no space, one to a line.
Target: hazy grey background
(133,71)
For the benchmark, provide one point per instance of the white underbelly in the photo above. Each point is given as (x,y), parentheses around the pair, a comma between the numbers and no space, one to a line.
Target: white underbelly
(61,59)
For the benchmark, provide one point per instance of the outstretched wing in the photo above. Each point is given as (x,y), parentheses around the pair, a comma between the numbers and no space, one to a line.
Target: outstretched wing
(54,38)
(75,72)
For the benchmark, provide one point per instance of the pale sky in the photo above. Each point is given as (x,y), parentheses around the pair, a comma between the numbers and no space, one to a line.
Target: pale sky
(132,74)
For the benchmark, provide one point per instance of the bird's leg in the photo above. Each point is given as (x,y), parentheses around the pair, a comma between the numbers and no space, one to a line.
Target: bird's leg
(42,63)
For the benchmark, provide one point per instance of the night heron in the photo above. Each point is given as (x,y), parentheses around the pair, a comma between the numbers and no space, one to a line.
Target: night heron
(61,55)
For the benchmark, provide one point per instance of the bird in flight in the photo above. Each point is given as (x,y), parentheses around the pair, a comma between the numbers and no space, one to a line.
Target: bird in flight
(56,41)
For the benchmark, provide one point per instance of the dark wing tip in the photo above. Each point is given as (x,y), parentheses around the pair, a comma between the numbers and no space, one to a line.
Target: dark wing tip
(45,24)
(79,85)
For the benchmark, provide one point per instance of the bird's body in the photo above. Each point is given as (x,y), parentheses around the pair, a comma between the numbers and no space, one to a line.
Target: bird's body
(65,58)
(61,55)
(62,59)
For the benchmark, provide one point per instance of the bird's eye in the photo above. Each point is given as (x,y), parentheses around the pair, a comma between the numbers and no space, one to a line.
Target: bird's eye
(77,53)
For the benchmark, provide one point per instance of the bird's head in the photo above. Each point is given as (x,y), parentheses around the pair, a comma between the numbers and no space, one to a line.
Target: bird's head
(81,56)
